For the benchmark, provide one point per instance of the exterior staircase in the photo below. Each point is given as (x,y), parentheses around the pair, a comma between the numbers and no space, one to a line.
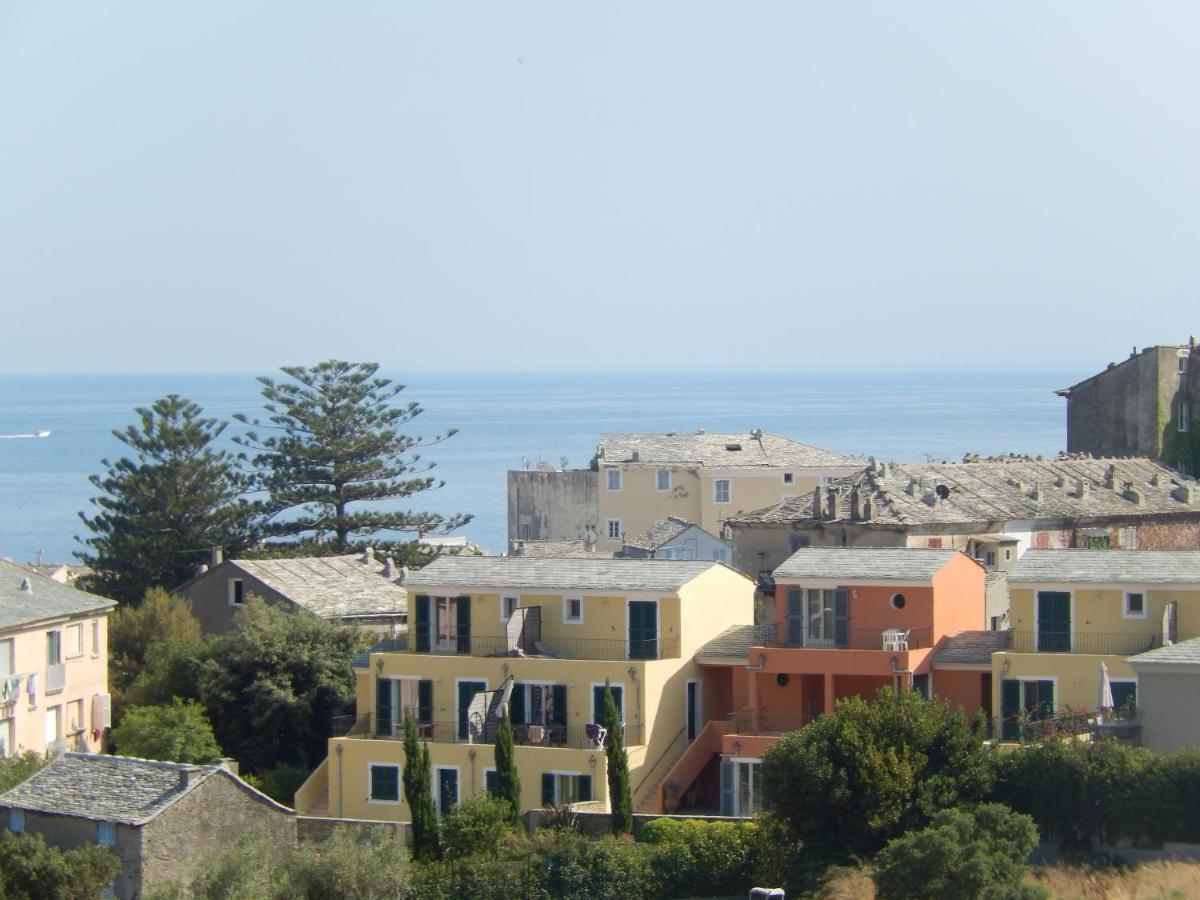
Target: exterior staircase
(684,766)
(318,808)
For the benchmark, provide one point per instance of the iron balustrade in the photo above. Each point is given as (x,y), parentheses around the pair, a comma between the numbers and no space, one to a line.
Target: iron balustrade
(745,722)
(571,737)
(900,638)
(554,648)
(1101,643)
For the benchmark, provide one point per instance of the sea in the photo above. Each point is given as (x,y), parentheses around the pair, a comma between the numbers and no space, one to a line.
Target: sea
(509,421)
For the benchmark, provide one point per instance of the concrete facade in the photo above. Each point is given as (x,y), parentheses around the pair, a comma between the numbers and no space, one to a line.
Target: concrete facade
(1167,706)
(549,505)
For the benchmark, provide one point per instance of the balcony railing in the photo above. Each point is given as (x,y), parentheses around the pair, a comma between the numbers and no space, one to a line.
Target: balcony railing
(894,638)
(56,677)
(745,722)
(549,648)
(571,737)
(1123,643)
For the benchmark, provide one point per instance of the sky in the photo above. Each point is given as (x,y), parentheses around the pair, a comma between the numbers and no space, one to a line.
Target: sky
(234,185)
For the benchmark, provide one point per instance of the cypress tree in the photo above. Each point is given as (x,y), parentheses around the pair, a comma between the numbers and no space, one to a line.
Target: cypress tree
(508,782)
(418,792)
(620,798)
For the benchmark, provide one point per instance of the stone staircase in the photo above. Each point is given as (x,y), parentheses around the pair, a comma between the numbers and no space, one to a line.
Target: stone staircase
(648,802)
(319,807)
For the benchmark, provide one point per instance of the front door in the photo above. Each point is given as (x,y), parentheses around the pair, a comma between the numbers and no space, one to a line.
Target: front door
(694,709)
(447,790)
(1054,621)
(466,691)
(643,629)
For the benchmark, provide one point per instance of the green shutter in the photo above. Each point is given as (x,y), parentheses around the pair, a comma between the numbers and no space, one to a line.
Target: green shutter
(491,782)
(1045,696)
(1010,708)
(464,624)
(558,715)
(795,617)
(383,706)
(841,617)
(585,788)
(424,632)
(425,701)
(516,705)
(547,789)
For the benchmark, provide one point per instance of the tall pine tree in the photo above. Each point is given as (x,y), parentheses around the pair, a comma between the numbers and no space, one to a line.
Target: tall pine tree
(329,443)
(508,782)
(620,798)
(418,793)
(162,508)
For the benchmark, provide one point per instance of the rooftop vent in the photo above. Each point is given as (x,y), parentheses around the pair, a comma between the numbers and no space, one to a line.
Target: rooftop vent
(26,586)
(733,446)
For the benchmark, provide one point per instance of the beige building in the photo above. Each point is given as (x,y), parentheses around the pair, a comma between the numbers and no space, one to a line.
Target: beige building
(53,664)
(702,478)
(1168,687)
(540,636)
(353,590)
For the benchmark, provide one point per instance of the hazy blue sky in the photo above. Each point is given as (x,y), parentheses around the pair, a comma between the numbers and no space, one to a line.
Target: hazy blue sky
(235,185)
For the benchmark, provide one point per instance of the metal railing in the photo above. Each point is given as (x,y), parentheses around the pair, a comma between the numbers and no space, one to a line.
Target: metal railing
(891,639)
(1097,642)
(745,722)
(560,648)
(1025,728)
(571,737)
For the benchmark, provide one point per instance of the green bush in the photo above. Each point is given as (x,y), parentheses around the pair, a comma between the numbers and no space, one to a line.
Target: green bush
(660,831)
(179,732)
(30,870)
(476,825)
(280,782)
(583,868)
(15,769)
(351,865)
(964,854)
(705,858)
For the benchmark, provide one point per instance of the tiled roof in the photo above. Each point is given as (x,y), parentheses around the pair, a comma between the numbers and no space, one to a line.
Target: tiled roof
(574,549)
(333,587)
(1107,567)
(1183,653)
(556,574)
(985,491)
(105,788)
(865,563)
(734,642)
(971,648)
(45,599)
(660,533)
(717,449)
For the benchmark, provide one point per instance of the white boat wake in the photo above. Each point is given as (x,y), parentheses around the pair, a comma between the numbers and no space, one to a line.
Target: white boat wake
(16,437)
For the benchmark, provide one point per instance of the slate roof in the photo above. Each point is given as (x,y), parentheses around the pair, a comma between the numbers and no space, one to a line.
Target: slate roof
(714,449)
(971,648)
(46,599)
(865,563)
(532,573)
(1183,653)
(333,587)
(735,642)
(660,533)
(573,549)
(1107,567)
(105,788)
(982,491)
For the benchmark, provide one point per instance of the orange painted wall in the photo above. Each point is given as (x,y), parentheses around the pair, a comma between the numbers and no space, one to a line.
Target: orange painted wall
(960,605)
(859,686)
(962,689)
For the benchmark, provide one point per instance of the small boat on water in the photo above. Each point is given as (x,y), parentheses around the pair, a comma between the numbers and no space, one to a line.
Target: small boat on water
(43,432)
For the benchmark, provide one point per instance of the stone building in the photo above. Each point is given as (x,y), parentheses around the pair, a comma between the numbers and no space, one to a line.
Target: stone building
(163,820)
(1143,406)
(353,590)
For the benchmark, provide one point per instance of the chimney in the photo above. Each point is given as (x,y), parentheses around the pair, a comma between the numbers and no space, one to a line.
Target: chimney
(832,497)
(188,776)
(911,490)
(817,507)
(1036,493)
(1081,488)
(636,457)
(368,556)
(1134,497)
(26,586)
(1110,477)
(866,511)
(1154,480)
(589,539)
(855,507)
(389,569)
(1059,481)
(202,568)
(1183,494)
(216,556)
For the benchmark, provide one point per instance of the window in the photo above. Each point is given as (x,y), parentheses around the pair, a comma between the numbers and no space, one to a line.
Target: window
(663,480)
(789,478)
(796,541)
(898,601)
(106,833)
(721,555)
(819,615)
(385,783)
(1184,423)
(75,721)
(1007,554)
(1183,365)
(721,490)
(1097,542)
(445,623)
(445,788)
(1135,605)
(53,727)
(491,782)
(539,703)
(614,529)
(565,787)
(95,637)
(53,648)
(16,820)
(614,479)
(1124,694)
(990,556)
(829,479)
(573,610)
(6,737)
(741,787)
(508,606)
(237,592)
(1042,540)
(6,658)
(934,543)
(74,640)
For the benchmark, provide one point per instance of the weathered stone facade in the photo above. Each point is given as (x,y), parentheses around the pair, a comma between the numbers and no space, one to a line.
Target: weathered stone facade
(548,505)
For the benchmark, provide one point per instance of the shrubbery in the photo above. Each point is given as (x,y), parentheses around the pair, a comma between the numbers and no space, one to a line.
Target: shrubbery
(477,825)
(29,870)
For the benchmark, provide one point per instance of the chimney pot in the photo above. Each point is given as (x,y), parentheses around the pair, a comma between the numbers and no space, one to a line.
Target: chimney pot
(202,568)
(26,586)
(217,556)
(368,556)
(389,569)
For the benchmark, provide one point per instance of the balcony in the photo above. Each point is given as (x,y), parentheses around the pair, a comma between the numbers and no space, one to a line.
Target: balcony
(1121,643)
(549,648)
(567,737)
(885,639)
(745,722)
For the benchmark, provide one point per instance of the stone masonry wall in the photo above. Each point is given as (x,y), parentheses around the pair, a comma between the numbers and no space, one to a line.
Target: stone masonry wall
(552,506)
(69,833)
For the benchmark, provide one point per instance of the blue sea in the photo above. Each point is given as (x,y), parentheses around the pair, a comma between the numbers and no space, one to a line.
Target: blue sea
(507,418)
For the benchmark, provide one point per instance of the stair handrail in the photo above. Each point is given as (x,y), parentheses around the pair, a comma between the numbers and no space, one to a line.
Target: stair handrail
(650,771)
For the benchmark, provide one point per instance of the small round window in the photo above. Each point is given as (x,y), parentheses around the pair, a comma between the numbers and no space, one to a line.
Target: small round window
(783,679)
(898,601)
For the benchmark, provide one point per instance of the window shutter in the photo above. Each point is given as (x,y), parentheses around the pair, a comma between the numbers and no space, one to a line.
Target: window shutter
(516,705)
(547,789)
(1010,706)
(491,782)
(1045,695)
(558,715)
(425,701)
(795,616)
(727,783)
(383,706)
(423,624)
(585,788)
(464,625)
(841,617)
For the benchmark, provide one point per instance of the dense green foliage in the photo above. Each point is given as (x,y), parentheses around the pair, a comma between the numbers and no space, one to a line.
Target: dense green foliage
(697,859)
(508,781)
(281,781)
(330,442)
(133,631)
(16,768)
(418,793)
(849,782)
(30,870)
(963,854)
(620,798)
(180,732)
(159,510)
(476,825)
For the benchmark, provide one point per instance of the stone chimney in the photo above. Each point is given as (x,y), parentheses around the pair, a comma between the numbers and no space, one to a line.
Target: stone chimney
(866,511)
(832,497)
(1184,494)
(216,556)
(1154,480)
(589,539)
(818,508)
(1081,488)
(1134,497)
(1110,477)
(855,506)
(389,569)
(26,586)
(189,775)
(368,556)
(911,490)
(1036,493)
(202,568)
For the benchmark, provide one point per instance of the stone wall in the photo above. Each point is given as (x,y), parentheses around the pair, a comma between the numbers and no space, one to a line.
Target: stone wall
(69,832)
(552,506)
(319,829)
(205,823)
(1116,412)
(599,823)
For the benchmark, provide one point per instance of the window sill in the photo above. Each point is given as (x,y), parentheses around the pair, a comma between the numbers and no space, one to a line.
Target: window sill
(55,692)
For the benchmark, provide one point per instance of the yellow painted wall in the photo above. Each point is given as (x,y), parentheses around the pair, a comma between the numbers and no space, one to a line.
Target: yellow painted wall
(1100,610)
(1077,675)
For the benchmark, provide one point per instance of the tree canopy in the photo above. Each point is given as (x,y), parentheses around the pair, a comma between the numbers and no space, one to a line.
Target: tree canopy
(328,443)
(160,509)
(134,630)
(180,732)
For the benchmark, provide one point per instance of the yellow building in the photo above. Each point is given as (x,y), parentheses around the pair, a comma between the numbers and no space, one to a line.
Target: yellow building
(1071,610)
(703,477)
(543,636)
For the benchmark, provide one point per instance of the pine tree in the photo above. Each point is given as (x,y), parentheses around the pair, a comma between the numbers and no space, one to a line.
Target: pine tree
(330,441)
(418,793)
(508,782)
(163,508)
(620,798)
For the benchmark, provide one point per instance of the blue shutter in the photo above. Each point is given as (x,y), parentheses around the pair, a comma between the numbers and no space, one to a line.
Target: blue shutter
(727,785)
(795,617)
(547,789)
(383,706)
(424,625)
(841,617)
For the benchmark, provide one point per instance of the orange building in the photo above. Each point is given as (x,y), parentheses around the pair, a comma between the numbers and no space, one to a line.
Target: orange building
(849,621)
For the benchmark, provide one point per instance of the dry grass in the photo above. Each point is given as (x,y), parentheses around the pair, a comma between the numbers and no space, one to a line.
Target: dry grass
(1150,881)
(847,883)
